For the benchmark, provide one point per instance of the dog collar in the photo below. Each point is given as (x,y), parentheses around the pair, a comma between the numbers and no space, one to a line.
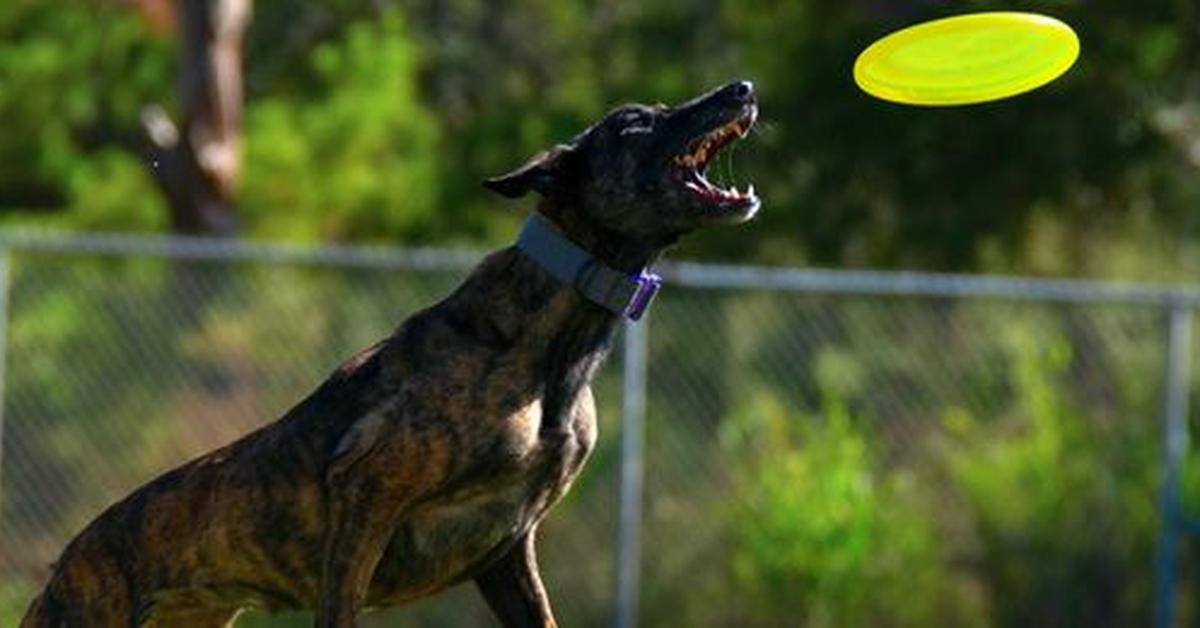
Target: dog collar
(619,293)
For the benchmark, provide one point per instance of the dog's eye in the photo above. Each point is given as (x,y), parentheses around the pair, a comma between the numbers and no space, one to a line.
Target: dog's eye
(636,121)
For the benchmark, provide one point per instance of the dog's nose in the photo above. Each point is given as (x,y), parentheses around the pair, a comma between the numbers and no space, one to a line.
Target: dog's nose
(742,89)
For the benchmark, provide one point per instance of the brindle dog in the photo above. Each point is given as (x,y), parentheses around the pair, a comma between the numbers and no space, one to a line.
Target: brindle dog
(429,458)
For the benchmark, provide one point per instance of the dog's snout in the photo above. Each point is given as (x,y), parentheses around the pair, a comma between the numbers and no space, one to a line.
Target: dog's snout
(742,89)
(741,92)
(733,95)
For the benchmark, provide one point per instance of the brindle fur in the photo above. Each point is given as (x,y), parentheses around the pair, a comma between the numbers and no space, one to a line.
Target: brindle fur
(427,459)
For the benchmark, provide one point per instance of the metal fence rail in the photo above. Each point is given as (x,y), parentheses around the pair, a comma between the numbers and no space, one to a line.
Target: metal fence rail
(973,422)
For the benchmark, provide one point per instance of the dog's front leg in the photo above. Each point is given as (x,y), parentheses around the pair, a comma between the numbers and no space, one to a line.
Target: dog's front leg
(355,540)
(376,474)
(513,589)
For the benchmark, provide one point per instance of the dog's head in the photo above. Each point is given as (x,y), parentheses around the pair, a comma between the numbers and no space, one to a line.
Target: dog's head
(639,171)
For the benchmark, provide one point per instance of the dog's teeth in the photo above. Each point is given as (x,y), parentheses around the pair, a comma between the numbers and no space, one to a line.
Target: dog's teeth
(750,191)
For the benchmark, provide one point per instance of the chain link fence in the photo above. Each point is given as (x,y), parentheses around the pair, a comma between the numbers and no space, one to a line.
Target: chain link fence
(801,448)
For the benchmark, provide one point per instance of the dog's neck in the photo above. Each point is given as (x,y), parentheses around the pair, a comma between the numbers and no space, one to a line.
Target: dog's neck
(515,301)
(512,303)
(623,252)
(622,293)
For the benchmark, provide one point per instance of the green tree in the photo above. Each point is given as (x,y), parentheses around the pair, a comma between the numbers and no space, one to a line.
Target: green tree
(352,156)
(67,71)
(1073,167)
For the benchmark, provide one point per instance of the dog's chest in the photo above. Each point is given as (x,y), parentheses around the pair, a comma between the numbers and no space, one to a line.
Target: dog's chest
(449,538)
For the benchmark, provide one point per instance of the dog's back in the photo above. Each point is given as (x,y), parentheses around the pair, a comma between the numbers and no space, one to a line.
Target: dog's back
(89,584)
(128,566)
(43,613)
(83,589)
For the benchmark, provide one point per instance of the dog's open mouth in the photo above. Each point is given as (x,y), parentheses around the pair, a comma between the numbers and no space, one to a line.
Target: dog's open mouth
(691,164)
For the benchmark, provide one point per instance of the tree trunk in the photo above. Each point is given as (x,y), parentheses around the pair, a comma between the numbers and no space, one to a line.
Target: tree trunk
(198,161)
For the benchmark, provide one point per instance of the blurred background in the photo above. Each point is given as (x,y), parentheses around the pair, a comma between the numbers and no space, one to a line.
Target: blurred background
(813,457)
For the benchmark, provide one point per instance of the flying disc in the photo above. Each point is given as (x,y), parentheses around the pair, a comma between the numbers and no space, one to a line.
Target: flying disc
(967,58)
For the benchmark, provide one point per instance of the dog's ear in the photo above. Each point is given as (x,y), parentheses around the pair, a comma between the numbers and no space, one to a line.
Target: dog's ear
(542,174)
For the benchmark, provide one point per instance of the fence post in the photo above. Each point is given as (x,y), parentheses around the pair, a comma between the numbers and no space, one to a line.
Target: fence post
(1175,443)
(633,408)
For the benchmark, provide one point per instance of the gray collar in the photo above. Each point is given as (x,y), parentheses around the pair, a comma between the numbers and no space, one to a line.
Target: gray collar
(619,293)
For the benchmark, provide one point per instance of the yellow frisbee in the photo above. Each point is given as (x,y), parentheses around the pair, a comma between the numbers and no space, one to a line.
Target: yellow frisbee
(967,58)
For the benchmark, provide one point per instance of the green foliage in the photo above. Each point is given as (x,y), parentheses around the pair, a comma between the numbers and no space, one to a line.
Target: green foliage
(66,73)
(362,125)
(1063,507)
(900,462)
(824,532)
(14,599)
(354,157)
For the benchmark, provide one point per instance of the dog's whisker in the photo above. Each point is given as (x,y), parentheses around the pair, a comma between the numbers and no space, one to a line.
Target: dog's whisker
(729,166)
(765,129)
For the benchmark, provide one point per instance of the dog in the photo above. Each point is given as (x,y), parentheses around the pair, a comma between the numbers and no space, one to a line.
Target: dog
(429,458)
